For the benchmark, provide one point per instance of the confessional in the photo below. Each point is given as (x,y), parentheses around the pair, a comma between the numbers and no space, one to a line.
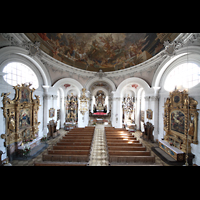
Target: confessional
(52,129)
(148,132)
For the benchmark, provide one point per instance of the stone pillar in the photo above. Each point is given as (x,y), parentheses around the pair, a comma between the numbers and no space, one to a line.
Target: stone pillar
(155,121)
(62,112)
(117,112)
(46,97)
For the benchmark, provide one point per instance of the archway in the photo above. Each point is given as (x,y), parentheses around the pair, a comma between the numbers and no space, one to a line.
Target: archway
(129,86)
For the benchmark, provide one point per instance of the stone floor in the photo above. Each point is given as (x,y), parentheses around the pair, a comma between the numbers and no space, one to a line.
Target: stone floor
(98,154)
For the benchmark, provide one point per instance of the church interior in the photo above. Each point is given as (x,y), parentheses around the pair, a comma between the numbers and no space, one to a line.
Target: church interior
(99,99)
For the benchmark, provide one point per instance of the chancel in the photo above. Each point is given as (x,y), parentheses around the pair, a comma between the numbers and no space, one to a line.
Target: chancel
(99,99)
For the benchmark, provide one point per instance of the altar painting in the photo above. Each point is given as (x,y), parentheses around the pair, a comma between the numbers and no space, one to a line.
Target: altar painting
(24,118)
(178,121)
(24,95)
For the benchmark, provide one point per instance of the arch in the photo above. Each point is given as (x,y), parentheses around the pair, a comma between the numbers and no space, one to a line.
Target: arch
(96,79)
(100,88)
(183,55)
(63,81)
(18,54)
(139,81)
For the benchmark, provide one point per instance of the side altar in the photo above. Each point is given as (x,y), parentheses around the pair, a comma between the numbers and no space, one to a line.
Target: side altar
(180,125)
(21,119)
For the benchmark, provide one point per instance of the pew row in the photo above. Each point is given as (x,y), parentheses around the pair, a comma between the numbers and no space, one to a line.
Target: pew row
(73,149)
(124,148)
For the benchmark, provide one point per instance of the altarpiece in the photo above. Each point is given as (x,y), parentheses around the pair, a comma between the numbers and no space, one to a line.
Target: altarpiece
(180,124)
(21,117)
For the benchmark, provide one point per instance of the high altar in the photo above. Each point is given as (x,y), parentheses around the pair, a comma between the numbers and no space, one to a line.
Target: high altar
(180,125)
(21,116)
(99,105)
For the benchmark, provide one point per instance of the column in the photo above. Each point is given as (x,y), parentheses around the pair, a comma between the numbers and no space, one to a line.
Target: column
(62,112)
(46,97)
(117,112)
(155,121)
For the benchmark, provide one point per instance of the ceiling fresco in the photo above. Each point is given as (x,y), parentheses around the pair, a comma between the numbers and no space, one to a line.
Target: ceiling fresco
(105,51)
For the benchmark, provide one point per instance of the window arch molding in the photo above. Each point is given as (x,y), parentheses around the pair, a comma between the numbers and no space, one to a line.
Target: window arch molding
(189,58)
(25,62)
(18,54)
(192,52)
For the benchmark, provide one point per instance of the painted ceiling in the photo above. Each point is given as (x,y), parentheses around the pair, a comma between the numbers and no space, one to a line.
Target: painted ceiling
(105,51)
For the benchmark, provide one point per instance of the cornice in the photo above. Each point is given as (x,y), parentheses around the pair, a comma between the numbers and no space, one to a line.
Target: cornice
(20,39)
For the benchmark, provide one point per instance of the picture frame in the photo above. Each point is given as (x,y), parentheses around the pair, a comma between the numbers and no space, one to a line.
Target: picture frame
(149,114)
(142,116)
(51,112)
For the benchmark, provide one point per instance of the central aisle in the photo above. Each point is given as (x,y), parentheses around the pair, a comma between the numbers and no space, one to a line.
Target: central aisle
(99,154)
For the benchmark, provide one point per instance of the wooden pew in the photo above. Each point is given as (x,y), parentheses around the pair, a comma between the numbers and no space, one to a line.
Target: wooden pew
(123,147)
(73,147)
(126,148)
(69,152)
(74,143)
(56,147)
(65,158)
(48,163)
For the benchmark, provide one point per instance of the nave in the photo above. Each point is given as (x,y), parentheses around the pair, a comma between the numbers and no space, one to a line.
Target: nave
(98,153)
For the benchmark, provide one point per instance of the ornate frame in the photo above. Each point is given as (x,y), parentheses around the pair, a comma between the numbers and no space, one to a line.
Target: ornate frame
(149,114)
(51,111)
(180,102)
(20,127)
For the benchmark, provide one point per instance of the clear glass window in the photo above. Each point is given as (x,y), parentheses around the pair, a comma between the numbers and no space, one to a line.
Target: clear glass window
(184,76)
(18,73)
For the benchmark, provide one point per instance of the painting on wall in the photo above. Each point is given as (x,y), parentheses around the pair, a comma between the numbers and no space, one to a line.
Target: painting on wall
(24,118)
(178,121)
(149,114)
(51,112)
(24,95)
(142,116)
(105,51)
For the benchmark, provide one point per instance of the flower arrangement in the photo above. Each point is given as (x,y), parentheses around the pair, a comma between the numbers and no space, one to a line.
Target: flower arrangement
(171,144)
(43,139)
(26,149)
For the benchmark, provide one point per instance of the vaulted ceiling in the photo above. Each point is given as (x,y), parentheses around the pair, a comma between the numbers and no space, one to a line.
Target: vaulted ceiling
(105,51)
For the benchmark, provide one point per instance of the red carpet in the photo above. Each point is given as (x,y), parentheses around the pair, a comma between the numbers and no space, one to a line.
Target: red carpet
(99,113)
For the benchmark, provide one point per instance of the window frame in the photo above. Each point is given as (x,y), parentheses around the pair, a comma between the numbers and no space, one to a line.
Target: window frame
(15,76)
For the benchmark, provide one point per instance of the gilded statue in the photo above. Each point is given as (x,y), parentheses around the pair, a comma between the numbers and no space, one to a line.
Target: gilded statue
(11,124)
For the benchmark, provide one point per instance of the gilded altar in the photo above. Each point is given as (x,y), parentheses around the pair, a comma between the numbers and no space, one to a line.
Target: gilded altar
(180,121)
(21,115)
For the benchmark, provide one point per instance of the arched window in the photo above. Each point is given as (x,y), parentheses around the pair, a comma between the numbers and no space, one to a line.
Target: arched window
(186,75)
(18,73)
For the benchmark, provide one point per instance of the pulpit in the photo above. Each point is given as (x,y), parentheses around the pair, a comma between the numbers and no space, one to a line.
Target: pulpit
(52,129)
